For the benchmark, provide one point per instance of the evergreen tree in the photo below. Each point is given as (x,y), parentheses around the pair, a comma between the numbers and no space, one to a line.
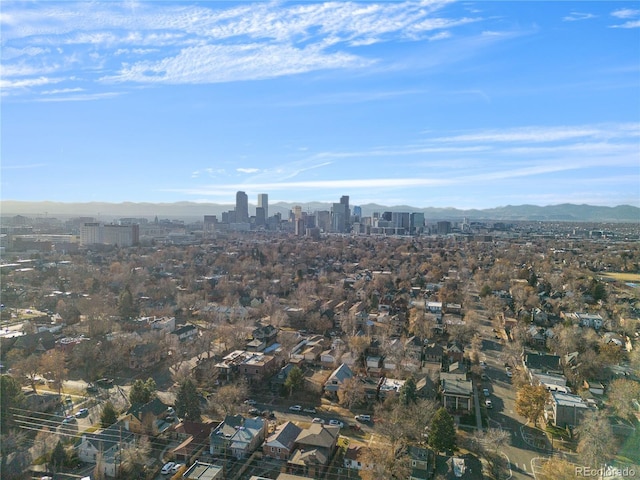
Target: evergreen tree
(187,402)
(10,397)
(109,416)
(58,457)
(408,392)
(294,380)
(127,307)
(142,392)
(442,434)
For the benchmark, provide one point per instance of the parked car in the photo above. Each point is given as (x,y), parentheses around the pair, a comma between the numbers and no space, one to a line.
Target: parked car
(485,392)
(483,364)
(254,411)
(488,404)
(509,373)
(309,410)
(317,420)
(166,469)
(336,423)
(363,418)
(176,467)
(69,419)
(295,408)
(250,402)
(83,412)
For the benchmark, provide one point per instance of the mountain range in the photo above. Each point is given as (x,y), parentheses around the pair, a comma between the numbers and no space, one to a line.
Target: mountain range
(190,211)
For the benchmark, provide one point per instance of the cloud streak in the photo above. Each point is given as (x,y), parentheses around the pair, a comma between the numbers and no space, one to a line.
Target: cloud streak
(158,43)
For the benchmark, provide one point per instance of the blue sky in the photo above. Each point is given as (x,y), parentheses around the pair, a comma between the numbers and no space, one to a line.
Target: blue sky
(433,103)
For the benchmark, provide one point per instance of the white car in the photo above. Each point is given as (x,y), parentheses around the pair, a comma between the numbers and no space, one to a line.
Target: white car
(509,373)
(295,408)
(317,420)
(483,364)
(488,404)
(176,467)
(336,423)
(250,402)
(167,468)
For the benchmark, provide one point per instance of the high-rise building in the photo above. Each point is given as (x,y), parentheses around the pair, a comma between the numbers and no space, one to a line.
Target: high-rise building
(417,222)
(261,220)
(444,227)
(242,207)
(263,202)
(121,235)
(339,217)
(209,225)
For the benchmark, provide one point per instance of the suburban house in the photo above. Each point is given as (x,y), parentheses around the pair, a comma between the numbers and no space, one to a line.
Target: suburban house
(423,463)
(280,443)
(204,471)
(457,392)
(186,332)
(565,410)
(194,436)
(255,366)
(146,419)
(266,333)
(237,436)
(339,375)
(353,458)
(167,324)
(433,353)
(35,343)
(541,363)
(106,444)
(144,355)
(313,449)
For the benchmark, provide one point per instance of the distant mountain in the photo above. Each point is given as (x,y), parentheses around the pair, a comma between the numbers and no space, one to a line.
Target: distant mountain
(190,211)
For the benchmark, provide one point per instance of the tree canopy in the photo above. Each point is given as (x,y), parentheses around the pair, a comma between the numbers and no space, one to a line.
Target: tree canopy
(442,434)
(142,392)
(188,402)
(109,415)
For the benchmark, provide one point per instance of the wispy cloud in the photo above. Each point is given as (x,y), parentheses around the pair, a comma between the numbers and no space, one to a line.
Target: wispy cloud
(629,24)
(547,134)
(248,170)
(625,13)
(151,43)
(23,167)
(578,16)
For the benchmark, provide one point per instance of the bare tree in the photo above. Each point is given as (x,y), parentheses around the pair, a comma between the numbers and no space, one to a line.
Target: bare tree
(596,439)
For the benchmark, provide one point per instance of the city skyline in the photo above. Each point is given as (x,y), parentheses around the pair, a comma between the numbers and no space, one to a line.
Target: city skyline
(428,104)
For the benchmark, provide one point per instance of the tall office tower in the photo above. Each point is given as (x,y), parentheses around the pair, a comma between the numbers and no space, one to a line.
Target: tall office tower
(339,217)
(323,218)
(357,211)
(242,207)
(400,220)
(263,201)
(297,212)
(444,228)
(417,222)
(209,225)
(260,218)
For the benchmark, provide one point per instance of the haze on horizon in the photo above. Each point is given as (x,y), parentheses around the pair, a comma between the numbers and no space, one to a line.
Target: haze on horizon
(424,103)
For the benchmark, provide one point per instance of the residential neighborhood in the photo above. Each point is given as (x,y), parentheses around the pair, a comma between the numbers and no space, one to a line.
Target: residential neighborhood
(508,352)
